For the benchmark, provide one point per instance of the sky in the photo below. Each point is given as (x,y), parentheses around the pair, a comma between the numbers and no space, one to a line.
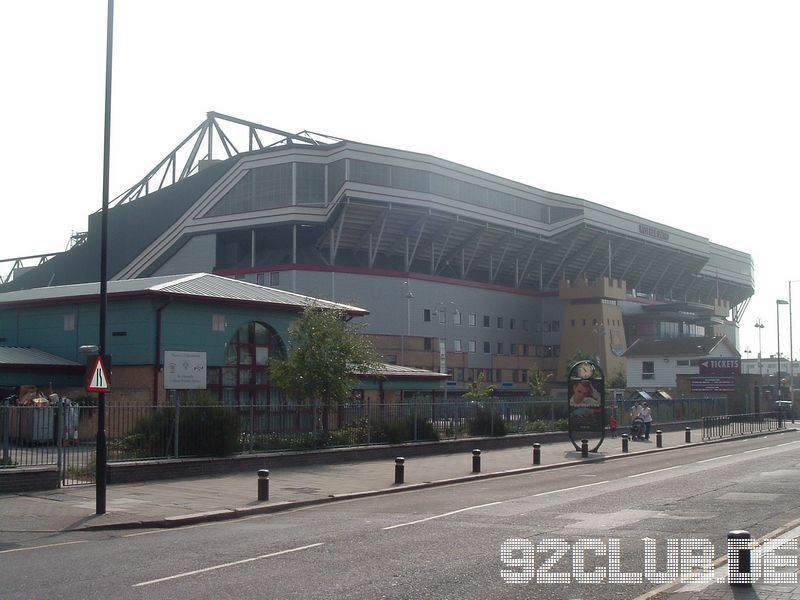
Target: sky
(683,112)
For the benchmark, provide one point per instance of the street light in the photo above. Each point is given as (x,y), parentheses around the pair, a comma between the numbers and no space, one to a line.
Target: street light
(760,326)
(600,330)
(778,322)
(408,296)
(791,346)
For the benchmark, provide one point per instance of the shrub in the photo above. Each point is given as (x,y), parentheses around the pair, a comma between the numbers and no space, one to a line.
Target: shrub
(486,423)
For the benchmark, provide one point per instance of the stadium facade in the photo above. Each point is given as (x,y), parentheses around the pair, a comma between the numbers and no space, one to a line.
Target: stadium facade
(460,270)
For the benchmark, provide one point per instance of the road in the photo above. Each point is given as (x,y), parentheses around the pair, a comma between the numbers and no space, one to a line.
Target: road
(440,542)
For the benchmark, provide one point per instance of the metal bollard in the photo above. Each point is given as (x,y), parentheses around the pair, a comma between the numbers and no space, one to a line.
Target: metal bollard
(537,454)
(585,448)
(688,435)
(263,485)
(739,555)
(476,461)
(399,469)
(659,439)
(624,442)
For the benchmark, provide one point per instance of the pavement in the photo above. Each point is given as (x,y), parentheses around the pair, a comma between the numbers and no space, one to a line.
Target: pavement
(201,499)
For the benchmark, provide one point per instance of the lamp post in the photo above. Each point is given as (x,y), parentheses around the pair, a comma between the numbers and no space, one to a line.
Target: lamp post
(760,326)
(600,330)
(778,323)
(408,296)
(791,346)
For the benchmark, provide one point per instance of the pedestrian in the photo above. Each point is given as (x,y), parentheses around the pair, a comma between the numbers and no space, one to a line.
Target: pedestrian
(647,417)
(612,426)
(636,411)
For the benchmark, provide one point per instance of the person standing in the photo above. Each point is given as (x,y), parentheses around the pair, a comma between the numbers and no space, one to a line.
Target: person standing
(647,417)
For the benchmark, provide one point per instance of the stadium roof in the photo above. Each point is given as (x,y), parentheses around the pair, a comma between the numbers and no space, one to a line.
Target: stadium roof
(194,286)
(458,223)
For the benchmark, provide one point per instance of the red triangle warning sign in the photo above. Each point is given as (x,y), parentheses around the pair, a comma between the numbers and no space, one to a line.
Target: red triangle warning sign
(98,380)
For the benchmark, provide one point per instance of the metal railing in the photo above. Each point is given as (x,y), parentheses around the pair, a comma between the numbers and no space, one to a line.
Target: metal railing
(65,435)
(722,426)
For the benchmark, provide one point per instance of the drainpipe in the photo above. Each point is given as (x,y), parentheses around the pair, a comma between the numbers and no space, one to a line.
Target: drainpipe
(157,361)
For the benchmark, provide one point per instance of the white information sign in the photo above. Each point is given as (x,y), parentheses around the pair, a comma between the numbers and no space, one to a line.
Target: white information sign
(184,370)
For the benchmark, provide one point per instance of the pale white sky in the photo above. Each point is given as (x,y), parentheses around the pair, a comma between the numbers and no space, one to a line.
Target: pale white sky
(683,112)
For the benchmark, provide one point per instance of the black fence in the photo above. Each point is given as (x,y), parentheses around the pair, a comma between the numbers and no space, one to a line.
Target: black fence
(730,425)
(65,435)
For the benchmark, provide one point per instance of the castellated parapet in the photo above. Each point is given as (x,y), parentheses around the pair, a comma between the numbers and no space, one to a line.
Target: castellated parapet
(605,287)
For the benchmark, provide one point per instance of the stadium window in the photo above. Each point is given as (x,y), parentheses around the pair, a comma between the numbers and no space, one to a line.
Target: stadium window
(261,278)
(524,376)
(546,328)
(473,347)
(487,321)
(499,347)
(275,278)
(487,348)
(513,350)
(525,324)
(512,323)
(427,343)
(442,317)
(555,326)
(457,345)
(683,363)
(426,315)
(217,322)
(473,320)
(460,374)
(499,322)
(69,322)
(457,317)
(498,375)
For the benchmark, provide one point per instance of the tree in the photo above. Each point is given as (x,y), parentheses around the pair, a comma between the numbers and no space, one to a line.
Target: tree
(479,388)
(537,381)
(323,355)
(618,381)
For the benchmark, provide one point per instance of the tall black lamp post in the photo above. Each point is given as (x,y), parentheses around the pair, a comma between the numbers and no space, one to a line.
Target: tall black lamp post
(102,457)
(778,323)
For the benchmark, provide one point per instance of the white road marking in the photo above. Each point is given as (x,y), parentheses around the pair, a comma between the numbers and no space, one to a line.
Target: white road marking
(447,514)
(230,564)
(715,458)
(40,547)
(655,471)
(577,487)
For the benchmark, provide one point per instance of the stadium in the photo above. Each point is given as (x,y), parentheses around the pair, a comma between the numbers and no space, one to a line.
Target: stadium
(462,271)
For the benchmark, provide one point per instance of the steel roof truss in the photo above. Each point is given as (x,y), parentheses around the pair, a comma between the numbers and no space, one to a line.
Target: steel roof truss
(561,263)
(520,277)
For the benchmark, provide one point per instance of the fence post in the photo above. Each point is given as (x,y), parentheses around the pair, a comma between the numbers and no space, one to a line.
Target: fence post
(537,453)
(177,422)
(252,423)
(624,442)
(415,417)
(60,439)
(369,423)
(6,412)
(688,435)
(584,448)
(659,439)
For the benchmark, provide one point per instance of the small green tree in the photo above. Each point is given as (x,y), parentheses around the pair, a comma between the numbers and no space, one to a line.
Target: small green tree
(618,381)
(537,382)
(479,388)
(323,355)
